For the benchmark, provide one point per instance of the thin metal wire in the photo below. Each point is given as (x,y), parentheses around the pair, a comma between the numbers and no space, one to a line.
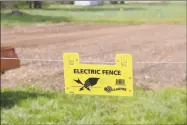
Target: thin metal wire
(32,59)
(162,62)
(51,60)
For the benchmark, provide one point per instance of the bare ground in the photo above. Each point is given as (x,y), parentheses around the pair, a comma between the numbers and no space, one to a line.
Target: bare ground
(98,42)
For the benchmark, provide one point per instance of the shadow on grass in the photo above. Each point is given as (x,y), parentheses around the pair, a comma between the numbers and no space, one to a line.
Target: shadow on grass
(95,9)
(11,98)
(27,18)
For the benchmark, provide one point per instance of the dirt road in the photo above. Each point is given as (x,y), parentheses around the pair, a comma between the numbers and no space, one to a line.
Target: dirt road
(98,42)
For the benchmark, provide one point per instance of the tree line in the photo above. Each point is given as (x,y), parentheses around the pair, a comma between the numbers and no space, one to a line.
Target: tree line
(17,4)
(38,4)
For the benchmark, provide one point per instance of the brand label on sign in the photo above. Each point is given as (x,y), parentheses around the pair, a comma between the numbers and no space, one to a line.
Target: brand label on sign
(98,79)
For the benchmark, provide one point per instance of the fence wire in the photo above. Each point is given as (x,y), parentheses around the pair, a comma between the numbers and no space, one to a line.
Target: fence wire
(51,60)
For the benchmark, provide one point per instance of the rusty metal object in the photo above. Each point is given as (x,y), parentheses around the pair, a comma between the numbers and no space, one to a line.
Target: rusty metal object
(7,64)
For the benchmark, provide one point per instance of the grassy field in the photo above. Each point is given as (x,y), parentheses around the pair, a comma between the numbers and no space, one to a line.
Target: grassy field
(32,106)
(126,13)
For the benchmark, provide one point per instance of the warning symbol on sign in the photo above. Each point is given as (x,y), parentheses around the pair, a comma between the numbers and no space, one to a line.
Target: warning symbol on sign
(98,79)
(89,82)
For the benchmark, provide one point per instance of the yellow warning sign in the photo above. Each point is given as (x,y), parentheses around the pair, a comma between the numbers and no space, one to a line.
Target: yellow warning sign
(98,79)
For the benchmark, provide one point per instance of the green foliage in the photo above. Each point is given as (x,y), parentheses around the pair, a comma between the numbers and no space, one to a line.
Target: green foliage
(12,20)
(19,4)
(35,106)
(14,4)
(127,13)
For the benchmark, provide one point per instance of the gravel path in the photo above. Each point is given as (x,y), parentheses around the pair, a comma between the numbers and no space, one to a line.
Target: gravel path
(98,42)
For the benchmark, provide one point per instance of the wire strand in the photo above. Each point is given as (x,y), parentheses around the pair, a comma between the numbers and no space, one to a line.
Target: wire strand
(51,60)
(32,59)
(162,62)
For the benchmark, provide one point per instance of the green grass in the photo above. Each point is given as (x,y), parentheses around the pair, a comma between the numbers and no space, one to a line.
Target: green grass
(35,106)
(130,14)
(12,20)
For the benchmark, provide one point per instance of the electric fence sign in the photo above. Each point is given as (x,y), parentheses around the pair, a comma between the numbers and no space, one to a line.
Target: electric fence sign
(98,79)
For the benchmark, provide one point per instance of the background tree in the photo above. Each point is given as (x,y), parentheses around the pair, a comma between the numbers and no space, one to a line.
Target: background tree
(37,4)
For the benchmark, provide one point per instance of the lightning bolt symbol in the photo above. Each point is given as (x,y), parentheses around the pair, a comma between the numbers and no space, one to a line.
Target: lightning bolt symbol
(78,81)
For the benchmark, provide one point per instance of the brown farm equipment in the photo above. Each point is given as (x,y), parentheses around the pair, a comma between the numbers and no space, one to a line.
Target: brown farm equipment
(12,63)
